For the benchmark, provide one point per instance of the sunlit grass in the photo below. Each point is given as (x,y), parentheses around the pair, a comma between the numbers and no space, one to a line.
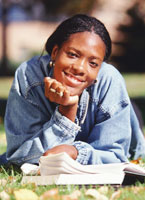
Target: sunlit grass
(135,84)
(3,142)
(5,84)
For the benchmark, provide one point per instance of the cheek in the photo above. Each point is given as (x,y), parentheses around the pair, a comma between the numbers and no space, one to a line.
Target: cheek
(92,75)
(61,64)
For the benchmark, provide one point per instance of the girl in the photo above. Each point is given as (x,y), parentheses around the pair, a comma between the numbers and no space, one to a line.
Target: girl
(72,101)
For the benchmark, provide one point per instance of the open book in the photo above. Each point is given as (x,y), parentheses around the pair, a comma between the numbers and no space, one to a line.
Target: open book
(60,169)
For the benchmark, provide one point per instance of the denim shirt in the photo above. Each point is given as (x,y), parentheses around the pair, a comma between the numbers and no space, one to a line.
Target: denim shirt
(106,129)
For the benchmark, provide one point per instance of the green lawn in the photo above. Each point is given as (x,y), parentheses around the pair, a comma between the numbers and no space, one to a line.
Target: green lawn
(5,84)
(3,143)
(135,84)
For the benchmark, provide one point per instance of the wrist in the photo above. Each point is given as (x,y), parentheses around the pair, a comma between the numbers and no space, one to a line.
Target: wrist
(69,111)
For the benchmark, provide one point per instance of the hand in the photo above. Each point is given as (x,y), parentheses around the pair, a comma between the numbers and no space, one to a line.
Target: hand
(69,149)
(57,93)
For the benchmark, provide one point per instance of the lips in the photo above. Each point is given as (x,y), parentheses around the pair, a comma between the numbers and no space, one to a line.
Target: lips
(72,79)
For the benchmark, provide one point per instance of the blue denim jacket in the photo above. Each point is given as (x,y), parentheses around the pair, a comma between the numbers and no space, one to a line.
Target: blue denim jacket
(106,129)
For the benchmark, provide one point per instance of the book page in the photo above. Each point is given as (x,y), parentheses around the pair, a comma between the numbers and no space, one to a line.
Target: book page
(63,163)
(134,169)
(77,179)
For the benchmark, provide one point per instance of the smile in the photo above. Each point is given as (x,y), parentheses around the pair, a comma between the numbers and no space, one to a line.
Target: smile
(73,79)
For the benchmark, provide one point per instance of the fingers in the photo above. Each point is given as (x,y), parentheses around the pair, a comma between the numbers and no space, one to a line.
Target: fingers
(60,93)
(54,90)
(57,88)
(57,93)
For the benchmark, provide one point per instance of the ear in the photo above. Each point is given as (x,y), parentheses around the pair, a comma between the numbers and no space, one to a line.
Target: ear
(54,52)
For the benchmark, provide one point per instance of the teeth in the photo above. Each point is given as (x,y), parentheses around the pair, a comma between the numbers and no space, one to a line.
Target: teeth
(72,77)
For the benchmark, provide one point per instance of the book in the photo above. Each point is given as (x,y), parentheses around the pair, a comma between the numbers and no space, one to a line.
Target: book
(61,169)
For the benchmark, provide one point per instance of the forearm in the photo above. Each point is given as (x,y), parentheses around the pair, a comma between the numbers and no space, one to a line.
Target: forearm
(29,147)
(87,155)
(69,111)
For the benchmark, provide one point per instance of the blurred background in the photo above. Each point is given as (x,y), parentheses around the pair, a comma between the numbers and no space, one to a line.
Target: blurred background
(26,25)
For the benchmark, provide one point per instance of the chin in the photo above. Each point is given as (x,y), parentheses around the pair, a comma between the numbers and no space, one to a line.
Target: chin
(75,92)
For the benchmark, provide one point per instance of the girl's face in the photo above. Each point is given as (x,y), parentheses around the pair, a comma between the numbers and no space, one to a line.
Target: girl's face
(78,61)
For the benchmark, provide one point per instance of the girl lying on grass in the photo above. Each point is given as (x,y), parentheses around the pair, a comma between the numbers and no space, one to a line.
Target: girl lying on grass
(72,101)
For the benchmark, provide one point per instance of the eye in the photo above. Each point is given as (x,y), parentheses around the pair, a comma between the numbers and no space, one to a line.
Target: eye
(94,64)
(72,54)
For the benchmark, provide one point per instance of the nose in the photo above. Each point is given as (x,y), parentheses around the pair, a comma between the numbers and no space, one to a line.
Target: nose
(79,67)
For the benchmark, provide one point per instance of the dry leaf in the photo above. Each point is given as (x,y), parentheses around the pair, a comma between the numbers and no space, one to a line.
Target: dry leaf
(53,193)
(4,196)
(103,190)
(136,161)
(116,195)
(3,182)
(12,179)
(25,194)
(137,189)
(95,194)
(73,196)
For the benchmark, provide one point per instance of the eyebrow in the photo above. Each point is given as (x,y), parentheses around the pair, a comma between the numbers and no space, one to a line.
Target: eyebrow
(79,52)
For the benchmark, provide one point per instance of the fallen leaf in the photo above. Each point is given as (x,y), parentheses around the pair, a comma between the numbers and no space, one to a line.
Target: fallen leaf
(137,161)
(73,196)
(95,194)
(116,195)
(103,190)
(25,194)
(4,196)
(12,179)
(3,182)
(137,189)
(53,193)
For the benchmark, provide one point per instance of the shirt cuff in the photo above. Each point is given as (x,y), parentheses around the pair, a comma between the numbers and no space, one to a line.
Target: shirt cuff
(82,157)
(65,123)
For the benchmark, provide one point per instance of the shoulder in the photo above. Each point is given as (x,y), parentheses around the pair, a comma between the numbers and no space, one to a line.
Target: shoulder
(110,90)
(109,72)
(31,73)
(110,78)
(34,68)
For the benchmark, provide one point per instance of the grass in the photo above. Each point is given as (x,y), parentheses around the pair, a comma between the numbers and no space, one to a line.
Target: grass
(3,143)
(5,84)
(11,183)
(135,84)
(10,178)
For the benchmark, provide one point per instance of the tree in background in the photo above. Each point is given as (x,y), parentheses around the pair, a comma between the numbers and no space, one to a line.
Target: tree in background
(132,47)
(4,64)
(43,10)
(55,7)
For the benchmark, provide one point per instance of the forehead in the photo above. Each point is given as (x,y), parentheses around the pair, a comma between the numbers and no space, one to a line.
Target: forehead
(85,38)
(86,42)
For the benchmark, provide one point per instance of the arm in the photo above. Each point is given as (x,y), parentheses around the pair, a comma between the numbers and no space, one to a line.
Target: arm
(30,135)
(108,142)
(67,107)
(113,129)
(32,123)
